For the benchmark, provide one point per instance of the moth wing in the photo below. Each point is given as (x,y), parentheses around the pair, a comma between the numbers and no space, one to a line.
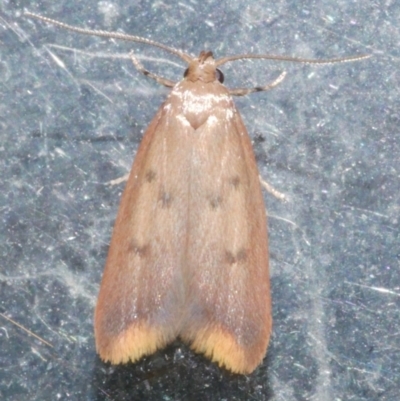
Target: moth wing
(140,303)
(229,307)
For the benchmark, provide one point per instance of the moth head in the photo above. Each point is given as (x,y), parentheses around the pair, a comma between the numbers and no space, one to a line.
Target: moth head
(203,69)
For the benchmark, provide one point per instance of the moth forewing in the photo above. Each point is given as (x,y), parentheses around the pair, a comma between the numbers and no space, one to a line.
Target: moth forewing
(229,315)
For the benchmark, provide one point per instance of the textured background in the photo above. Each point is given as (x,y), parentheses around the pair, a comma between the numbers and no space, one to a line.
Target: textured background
(72,112)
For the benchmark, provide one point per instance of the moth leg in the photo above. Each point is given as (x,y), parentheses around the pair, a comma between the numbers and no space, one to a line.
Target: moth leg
(119,180)
(246,91)
(161,80)
(269,188)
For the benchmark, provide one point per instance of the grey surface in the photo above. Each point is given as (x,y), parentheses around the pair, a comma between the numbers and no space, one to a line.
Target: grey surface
(327,137)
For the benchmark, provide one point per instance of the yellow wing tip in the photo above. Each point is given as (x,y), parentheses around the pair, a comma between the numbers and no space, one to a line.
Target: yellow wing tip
(215,343)
(131,345)
(222,348)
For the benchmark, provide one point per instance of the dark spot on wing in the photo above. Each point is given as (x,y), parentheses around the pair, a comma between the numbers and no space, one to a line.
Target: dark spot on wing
(165,198)
(150,175)
(240,257)
(215,201)
(140,250)
(235,181)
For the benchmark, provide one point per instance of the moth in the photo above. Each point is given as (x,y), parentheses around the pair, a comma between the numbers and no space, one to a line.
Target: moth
(188,256)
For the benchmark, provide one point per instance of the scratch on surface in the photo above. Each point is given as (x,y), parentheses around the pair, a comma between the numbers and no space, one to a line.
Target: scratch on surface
(57,59)
(59,62)
(335,34)
(63,275)
(382,290)
(304,235)
(84,81)
(26,330)
(366,211)
(37,353)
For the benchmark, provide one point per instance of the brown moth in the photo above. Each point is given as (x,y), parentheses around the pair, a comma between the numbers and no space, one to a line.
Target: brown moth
(189,252)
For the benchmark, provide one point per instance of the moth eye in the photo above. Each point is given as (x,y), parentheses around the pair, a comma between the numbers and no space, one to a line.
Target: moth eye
(220,76)
(186,72)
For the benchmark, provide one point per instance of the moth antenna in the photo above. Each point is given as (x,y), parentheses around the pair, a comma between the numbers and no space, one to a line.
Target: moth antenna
(246,91)
(112,35)
(292,59)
